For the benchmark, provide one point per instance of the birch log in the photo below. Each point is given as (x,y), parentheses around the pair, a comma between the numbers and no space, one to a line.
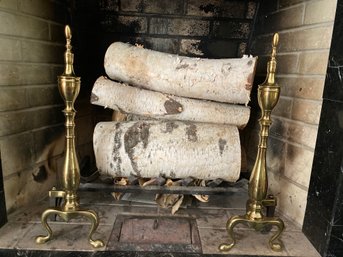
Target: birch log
(222,80)
(127,99)
(172,149)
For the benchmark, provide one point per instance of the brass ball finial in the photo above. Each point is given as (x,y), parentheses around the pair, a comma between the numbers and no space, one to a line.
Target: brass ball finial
(67,32)
(274,44)
(275,39)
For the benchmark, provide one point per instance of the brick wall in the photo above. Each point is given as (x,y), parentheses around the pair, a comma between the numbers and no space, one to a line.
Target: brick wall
(31,122)
(188,27)
(305,29)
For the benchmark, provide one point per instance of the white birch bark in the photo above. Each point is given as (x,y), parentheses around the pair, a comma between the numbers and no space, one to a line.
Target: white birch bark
(171,149)
(127,99)
(222,80)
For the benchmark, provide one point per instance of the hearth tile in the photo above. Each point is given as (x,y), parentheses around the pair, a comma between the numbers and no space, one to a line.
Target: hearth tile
(13,232)
(66,237)
(30,214)
(213,219)
(154,234)
(249,243)
(297,244)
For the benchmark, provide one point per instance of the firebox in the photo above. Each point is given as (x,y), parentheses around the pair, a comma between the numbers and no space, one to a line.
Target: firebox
(31,126)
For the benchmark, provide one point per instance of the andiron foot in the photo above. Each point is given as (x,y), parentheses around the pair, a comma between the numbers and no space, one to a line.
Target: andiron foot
(66,216)
(275,243)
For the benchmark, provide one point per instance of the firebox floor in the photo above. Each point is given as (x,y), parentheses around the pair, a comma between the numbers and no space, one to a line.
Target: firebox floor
(128,228)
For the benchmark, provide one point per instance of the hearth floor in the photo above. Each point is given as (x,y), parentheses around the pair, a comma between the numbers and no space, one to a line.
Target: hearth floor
(17,237)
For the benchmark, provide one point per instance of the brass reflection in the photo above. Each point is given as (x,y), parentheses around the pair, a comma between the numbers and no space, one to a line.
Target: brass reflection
(69,87)
(268,96)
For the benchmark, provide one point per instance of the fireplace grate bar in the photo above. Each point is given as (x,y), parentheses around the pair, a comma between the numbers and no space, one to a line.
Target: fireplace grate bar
(94,187)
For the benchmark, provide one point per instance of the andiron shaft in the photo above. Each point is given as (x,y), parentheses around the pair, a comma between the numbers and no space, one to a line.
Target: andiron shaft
(69,87)
(268,96)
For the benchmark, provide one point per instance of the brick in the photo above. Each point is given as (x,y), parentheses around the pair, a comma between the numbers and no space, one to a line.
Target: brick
(18,153)
(162,6)
(242,49)
(276,153)
(302,133)
(306,110)
(166,45)
(286,64)
(292,199)
(313,62)
(44,95)
(231,29)
(283,107)
(307,39)
(43,53)
(294,131)
(179,27)
(221,8)
(131,6)
(124,24)
(51,137)
(21,74)
(44,9)
(159,26)
(251,11)
(320,11)
(13,98)
(9,4)
(134,24)
(20,121)
(190,47)
(298,164)
(286,3)
(284,19)
(21,189)
(302,87)
(10,49)
(23,26)
(109,5)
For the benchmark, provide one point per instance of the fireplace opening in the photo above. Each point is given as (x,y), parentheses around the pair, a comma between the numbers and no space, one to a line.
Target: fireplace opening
(32,43)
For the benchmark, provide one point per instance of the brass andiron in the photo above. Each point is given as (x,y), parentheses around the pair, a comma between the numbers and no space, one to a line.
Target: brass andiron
(268,96)
(69,87)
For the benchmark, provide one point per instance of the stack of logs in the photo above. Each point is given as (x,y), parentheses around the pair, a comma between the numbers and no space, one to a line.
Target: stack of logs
(189,109)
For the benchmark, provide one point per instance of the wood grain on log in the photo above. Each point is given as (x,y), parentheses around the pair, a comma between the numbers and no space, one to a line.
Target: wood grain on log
(127,99)
(222,80)
(172,149)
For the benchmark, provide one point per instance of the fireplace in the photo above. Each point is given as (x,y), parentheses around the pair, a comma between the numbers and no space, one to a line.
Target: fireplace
(32,44)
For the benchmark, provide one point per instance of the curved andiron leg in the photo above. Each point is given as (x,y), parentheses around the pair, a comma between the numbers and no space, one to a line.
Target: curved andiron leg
(231,223)
(268,96)
(66,216)
(275,243)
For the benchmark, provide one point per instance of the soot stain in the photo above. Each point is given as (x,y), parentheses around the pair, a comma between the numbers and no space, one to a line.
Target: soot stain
(172,107)
(137,133)
(116,153)
(94,98)
(170,126)
(191,132)
(222,144)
